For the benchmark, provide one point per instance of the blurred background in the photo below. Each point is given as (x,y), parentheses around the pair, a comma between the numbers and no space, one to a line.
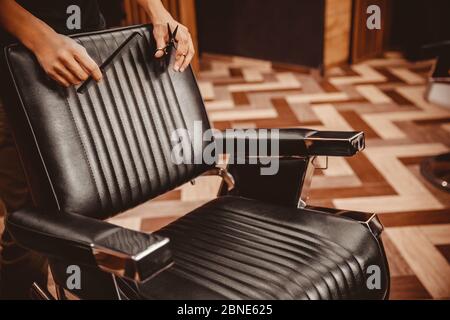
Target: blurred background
(318,34)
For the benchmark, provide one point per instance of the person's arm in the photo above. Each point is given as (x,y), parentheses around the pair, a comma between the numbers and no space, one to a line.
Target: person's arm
(62,58)
(160,17)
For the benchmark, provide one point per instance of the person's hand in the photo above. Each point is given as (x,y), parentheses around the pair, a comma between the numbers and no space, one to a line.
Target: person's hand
(64,60)
(160,17)
(185,47)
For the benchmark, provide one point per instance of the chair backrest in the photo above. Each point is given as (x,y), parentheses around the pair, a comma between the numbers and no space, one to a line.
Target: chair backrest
(109,149)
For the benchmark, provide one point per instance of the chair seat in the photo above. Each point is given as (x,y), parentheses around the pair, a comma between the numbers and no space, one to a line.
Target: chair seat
(237,248)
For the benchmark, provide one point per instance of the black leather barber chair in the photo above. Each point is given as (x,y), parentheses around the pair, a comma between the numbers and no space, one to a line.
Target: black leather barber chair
(93,155)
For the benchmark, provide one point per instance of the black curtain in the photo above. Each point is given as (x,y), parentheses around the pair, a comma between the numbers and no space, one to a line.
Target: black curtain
(113,12)
(416,23)
(289,31)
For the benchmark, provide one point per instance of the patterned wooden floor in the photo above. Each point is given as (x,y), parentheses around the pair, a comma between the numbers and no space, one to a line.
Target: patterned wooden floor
(382,97)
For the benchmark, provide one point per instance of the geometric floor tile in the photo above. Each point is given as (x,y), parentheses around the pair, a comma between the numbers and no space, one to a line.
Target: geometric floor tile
(425,260)
(407,288)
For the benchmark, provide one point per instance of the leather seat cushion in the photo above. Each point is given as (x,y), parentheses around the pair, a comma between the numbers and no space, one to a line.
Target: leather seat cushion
(237,248)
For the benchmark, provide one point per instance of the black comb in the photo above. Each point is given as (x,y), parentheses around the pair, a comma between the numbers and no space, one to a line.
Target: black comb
(110,60)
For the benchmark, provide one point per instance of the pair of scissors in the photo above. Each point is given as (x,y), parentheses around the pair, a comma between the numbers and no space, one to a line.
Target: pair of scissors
(172,41)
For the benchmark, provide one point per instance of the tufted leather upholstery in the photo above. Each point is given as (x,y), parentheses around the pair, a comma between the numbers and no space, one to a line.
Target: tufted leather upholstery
(109,149)
(238,248)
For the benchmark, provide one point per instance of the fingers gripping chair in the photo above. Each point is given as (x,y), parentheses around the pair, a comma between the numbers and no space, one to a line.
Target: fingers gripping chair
(91,156)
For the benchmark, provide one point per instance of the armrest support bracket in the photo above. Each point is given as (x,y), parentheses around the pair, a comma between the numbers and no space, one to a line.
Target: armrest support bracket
(298,150)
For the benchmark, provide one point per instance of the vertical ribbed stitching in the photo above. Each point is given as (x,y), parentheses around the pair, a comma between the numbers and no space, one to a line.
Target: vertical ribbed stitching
(142,143)
(114,116)
(119,152)
(163,109)
(150,126)
(95,154)
(90,134)
(180,115)
(133,158)
(102,166)
(156,117)
(83,146)
(107,169)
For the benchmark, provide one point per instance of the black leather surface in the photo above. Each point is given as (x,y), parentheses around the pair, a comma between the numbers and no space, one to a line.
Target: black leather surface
(109,149)
(237,248)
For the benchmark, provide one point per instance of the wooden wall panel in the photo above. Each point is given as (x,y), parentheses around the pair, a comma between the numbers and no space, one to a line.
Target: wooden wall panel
(338,17)
(367,43)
